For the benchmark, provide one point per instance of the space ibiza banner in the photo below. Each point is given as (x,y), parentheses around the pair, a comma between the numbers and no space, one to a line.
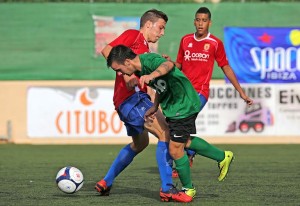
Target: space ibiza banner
(264,55)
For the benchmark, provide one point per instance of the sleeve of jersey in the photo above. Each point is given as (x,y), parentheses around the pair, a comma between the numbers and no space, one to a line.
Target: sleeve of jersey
(152,62)
(221,55)
(180,53)
(127,38)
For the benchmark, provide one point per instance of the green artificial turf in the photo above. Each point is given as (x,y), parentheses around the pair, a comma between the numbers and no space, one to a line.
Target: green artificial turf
(259,175)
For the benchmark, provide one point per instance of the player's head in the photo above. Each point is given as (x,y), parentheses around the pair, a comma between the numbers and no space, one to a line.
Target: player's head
(202,21)
(153,24)
(120,60)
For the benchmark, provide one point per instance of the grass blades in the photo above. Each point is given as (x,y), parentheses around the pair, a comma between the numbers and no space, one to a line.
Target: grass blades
(259,175)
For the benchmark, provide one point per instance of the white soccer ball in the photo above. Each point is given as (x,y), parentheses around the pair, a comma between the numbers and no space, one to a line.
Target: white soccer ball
(69,179)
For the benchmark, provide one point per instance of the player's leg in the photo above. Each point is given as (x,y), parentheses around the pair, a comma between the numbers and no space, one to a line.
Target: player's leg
(180,130)
(203,148)
(182,167)
(134,123)
(124,158)
(159,128)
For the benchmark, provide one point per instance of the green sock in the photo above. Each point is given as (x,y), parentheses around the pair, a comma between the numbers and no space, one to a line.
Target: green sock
(184,172)
(203,148)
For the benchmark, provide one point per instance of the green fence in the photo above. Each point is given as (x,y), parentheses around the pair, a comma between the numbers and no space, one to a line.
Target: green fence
(55,41)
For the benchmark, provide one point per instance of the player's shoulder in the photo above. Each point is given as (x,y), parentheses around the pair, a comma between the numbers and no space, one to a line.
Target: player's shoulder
(187,36)
(131,32)
(150,55)
(215,38)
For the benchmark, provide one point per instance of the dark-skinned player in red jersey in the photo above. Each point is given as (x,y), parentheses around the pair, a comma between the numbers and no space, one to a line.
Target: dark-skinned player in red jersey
(196,55)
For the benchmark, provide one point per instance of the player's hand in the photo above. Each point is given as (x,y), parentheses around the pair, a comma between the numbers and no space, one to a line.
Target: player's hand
(131,81)
(150,114)
(167,57)
(145,79)
(247,99)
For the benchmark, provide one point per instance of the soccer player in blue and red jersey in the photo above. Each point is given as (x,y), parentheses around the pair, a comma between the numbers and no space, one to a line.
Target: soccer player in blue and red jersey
(131,102)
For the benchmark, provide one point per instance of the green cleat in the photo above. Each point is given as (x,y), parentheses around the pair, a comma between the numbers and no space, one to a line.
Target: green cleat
(190,191)
(224,165)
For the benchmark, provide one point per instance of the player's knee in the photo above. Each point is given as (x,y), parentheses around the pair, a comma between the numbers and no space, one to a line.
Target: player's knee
(163,136)
(140,145)
(176,150)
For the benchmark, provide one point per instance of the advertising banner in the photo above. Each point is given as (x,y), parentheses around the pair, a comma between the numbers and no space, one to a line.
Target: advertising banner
(54,112)
(107,28)
(264,55)
(275,112)
(72,112)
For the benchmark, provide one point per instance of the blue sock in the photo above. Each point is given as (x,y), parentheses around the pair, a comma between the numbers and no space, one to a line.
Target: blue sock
(124,158)
(165,163)
(190,152)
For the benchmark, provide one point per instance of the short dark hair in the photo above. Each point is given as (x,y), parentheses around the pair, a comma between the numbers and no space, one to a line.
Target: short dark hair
(152,15)
(119,54)
(204,10)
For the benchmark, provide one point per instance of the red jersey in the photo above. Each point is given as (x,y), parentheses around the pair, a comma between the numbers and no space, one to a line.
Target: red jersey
(137,42)
(197,59)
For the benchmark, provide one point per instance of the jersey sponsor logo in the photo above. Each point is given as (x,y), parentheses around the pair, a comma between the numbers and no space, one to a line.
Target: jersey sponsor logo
(195,56)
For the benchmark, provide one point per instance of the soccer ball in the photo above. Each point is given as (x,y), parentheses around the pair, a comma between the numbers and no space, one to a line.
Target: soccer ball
(69,179)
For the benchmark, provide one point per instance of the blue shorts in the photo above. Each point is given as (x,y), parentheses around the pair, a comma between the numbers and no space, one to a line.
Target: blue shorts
(132,112)
(203,101)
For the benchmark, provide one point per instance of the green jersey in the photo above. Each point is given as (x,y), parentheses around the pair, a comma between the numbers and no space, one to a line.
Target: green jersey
(177,97)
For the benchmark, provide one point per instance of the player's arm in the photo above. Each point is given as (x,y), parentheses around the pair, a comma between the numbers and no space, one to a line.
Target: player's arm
(161,70)
(150,113)
(130,81)
(232,78)
(167,57)
(106,50)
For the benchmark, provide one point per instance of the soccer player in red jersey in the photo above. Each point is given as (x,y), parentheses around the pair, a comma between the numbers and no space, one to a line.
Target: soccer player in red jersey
(196,55)
(131,103)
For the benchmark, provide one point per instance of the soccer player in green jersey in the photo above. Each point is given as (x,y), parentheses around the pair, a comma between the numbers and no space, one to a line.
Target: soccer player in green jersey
(178,99)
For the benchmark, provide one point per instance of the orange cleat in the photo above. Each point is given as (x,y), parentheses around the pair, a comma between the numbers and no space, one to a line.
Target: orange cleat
(174,173)
(102,188)
(174,195)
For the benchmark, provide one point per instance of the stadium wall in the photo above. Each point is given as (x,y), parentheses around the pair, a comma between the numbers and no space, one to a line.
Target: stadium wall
(48,48)
(28,106)
(56,41)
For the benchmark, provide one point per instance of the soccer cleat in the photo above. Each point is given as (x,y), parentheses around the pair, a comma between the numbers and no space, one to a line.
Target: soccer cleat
(225,164)
(174,195)
(190,191)
(102,188)
(174,173)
